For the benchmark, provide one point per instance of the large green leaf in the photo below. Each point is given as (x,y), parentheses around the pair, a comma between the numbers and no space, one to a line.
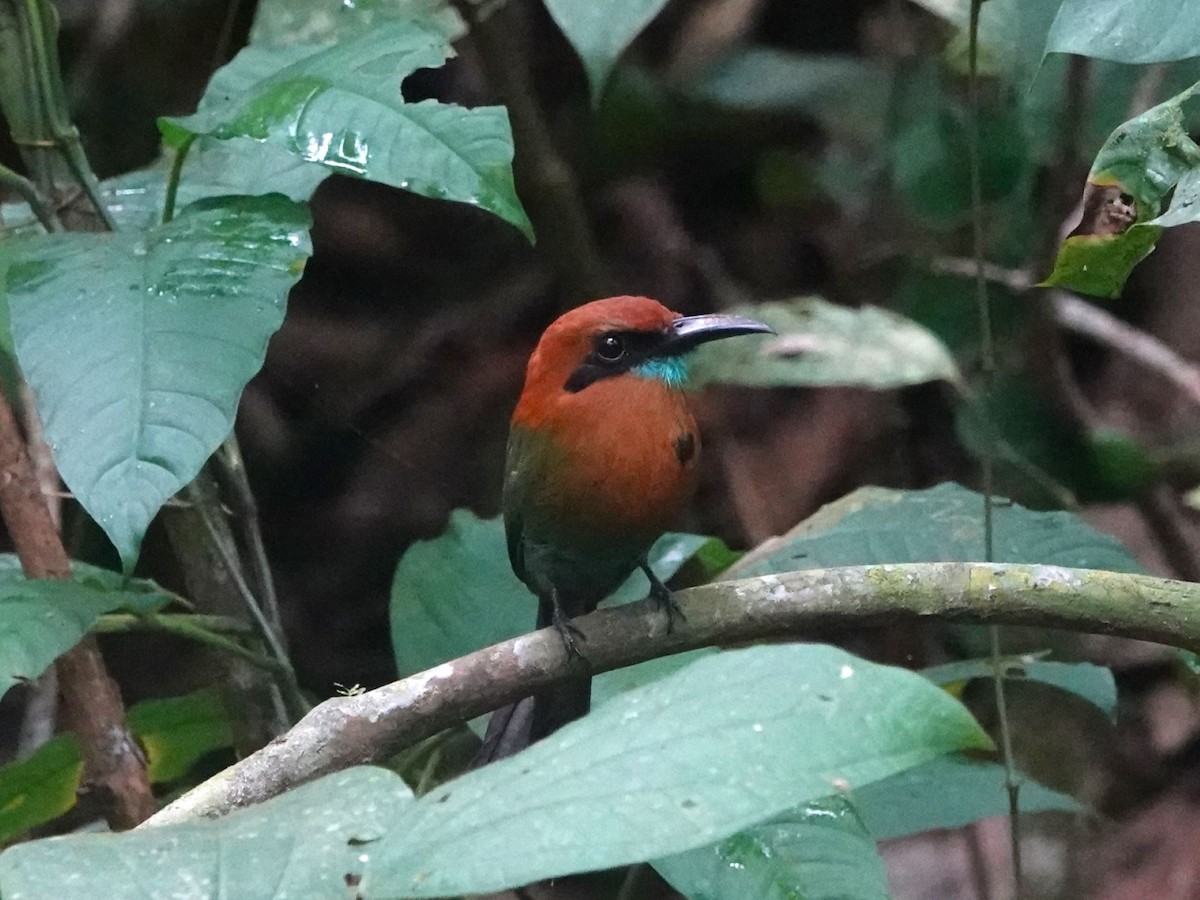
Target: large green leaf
(457,593)
(820,852)
(600,32)
(723,744)
(40,620)
(340,107)
(820,344)
(1128,31)
(138,345)
(173,732)
(176,732)
(941,524)
(1139,166)
(847,95)
(312,842)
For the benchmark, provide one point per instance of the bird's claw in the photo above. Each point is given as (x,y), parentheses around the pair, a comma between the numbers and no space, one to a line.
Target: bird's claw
(665,601)
(568,632)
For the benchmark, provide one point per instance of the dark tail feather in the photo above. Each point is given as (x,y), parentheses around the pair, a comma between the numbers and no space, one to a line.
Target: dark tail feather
(514,727)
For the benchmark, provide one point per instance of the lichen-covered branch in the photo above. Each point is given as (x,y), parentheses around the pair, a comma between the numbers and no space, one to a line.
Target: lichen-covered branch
(369,727)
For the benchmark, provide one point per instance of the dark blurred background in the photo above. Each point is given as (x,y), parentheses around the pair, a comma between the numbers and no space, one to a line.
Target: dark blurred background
(722,167)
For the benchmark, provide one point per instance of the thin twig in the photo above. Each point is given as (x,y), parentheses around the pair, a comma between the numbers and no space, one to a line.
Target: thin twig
(293,697)
(42,208)
(988,364)
(544,178)
(370,727)
(233,467)
(191,628)
(1100,325)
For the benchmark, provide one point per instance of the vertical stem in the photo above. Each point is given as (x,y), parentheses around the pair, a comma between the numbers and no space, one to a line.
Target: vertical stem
(547,183)
(172,191)
(113,764)
(988,364)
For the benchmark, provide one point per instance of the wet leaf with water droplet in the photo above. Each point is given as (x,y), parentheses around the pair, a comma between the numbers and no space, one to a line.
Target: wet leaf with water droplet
(299,98)
(138,344)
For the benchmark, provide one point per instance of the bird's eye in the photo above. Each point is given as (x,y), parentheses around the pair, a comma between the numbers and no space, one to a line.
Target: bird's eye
(611,348)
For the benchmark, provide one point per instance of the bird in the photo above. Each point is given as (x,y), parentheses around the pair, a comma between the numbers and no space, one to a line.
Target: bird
(601,458)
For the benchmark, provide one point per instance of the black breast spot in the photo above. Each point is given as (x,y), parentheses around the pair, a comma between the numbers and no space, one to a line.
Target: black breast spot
(685,448)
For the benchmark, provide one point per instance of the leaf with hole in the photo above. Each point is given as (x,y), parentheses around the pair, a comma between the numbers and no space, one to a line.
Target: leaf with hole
(137,345)
(1144,162)
(339,106)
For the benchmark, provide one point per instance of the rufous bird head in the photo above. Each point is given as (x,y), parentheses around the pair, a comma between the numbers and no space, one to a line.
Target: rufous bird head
(624,337)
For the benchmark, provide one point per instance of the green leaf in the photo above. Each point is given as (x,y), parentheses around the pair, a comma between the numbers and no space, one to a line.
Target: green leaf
(41,788)
(947,792)
(340,107)
(175,732)
(819,852)
(137,345)
(930,162)
(212,169)
(1128,31)
(822,344)
(1140,164)
(278,23)
(600,32)
(599,793)
(847,95)
(42,619)
(942,524)
(1093,683)
(724,744)
(1012,33)
(311,842)
(457,593)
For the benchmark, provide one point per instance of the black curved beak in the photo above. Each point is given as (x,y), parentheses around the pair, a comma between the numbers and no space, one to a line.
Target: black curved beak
(689,332)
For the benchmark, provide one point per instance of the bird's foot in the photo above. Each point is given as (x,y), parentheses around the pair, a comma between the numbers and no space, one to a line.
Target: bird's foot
(568,632)
(665,600)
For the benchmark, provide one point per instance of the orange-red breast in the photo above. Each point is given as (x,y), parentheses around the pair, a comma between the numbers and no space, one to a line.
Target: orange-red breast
(601,459)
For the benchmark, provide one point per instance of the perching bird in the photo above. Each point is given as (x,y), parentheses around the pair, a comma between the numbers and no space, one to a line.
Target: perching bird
(601,459)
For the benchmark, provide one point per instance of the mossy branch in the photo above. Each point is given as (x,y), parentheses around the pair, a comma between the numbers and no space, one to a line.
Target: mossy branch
(370,727)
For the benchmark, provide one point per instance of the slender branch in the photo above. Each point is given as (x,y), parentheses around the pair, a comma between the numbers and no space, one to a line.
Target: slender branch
(369,727)
(231,465)
(544,178)
(194,628)
(1100,325)
(292,696)
(92,705)
(42,208)
(987,341)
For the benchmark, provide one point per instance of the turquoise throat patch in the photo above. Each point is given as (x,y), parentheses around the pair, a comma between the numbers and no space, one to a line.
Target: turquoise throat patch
(671,370)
